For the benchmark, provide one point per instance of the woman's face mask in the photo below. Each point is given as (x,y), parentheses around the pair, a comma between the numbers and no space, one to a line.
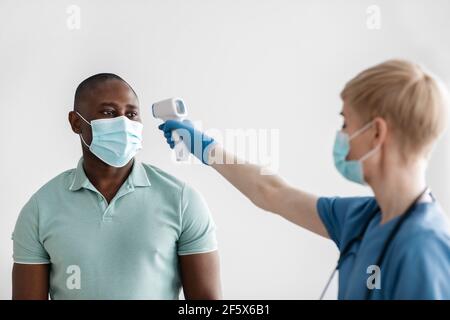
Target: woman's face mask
(115,141)
(350,169)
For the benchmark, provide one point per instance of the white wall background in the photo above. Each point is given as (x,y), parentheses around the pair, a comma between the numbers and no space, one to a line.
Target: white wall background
(273,64)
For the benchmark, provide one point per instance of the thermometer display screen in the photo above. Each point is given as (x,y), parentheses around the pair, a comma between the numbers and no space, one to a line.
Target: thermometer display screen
(180,107)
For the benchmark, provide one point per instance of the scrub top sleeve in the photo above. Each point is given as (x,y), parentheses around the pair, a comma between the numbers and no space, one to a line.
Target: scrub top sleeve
(333,213)
(197,226)
(424,272)
(27,247)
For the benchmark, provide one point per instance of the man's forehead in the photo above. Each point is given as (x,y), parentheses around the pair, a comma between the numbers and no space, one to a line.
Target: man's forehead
(111,91)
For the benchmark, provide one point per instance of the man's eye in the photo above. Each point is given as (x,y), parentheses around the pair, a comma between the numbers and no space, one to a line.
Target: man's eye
(131,114)
(107,113)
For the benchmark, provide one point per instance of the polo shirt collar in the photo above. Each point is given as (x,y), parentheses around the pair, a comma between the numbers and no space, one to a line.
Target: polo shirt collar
(137,178)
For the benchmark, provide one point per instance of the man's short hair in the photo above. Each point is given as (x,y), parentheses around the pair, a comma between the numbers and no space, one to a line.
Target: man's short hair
(92,82)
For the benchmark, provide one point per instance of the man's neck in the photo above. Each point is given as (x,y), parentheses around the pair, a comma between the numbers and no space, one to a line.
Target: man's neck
(105,178)
(397,189)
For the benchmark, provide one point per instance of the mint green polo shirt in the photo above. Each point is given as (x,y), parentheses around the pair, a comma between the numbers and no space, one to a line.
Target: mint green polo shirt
(127,249)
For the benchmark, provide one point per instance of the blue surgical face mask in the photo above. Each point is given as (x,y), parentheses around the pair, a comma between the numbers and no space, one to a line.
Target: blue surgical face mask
(350,169)
(115,141)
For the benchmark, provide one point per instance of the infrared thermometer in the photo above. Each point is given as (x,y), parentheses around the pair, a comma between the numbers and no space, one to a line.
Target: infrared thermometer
(173,109)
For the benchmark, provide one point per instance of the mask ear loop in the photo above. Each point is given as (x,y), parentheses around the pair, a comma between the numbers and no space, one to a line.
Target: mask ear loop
(81,136)
(369,154)
(358,132)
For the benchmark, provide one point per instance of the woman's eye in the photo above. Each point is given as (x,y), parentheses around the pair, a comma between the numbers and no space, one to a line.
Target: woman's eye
(132,114)
(107,113)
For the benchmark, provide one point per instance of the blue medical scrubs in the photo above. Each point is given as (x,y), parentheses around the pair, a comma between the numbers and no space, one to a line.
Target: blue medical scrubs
(417,262)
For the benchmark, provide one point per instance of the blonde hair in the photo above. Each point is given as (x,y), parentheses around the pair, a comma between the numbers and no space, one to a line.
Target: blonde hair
(413,103)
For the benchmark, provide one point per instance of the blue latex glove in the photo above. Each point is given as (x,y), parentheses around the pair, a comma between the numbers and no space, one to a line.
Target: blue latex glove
(199,142)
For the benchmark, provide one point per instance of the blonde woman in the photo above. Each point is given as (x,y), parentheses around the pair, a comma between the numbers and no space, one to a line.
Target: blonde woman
(395,245)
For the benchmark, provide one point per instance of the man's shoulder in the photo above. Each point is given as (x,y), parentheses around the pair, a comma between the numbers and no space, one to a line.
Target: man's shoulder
(162,179)
(57,184)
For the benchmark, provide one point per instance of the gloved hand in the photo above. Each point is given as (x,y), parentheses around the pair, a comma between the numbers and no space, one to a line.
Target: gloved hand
(198,144)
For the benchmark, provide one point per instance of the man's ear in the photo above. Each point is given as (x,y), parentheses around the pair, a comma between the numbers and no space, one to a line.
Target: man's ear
(75,122)
(381,131)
